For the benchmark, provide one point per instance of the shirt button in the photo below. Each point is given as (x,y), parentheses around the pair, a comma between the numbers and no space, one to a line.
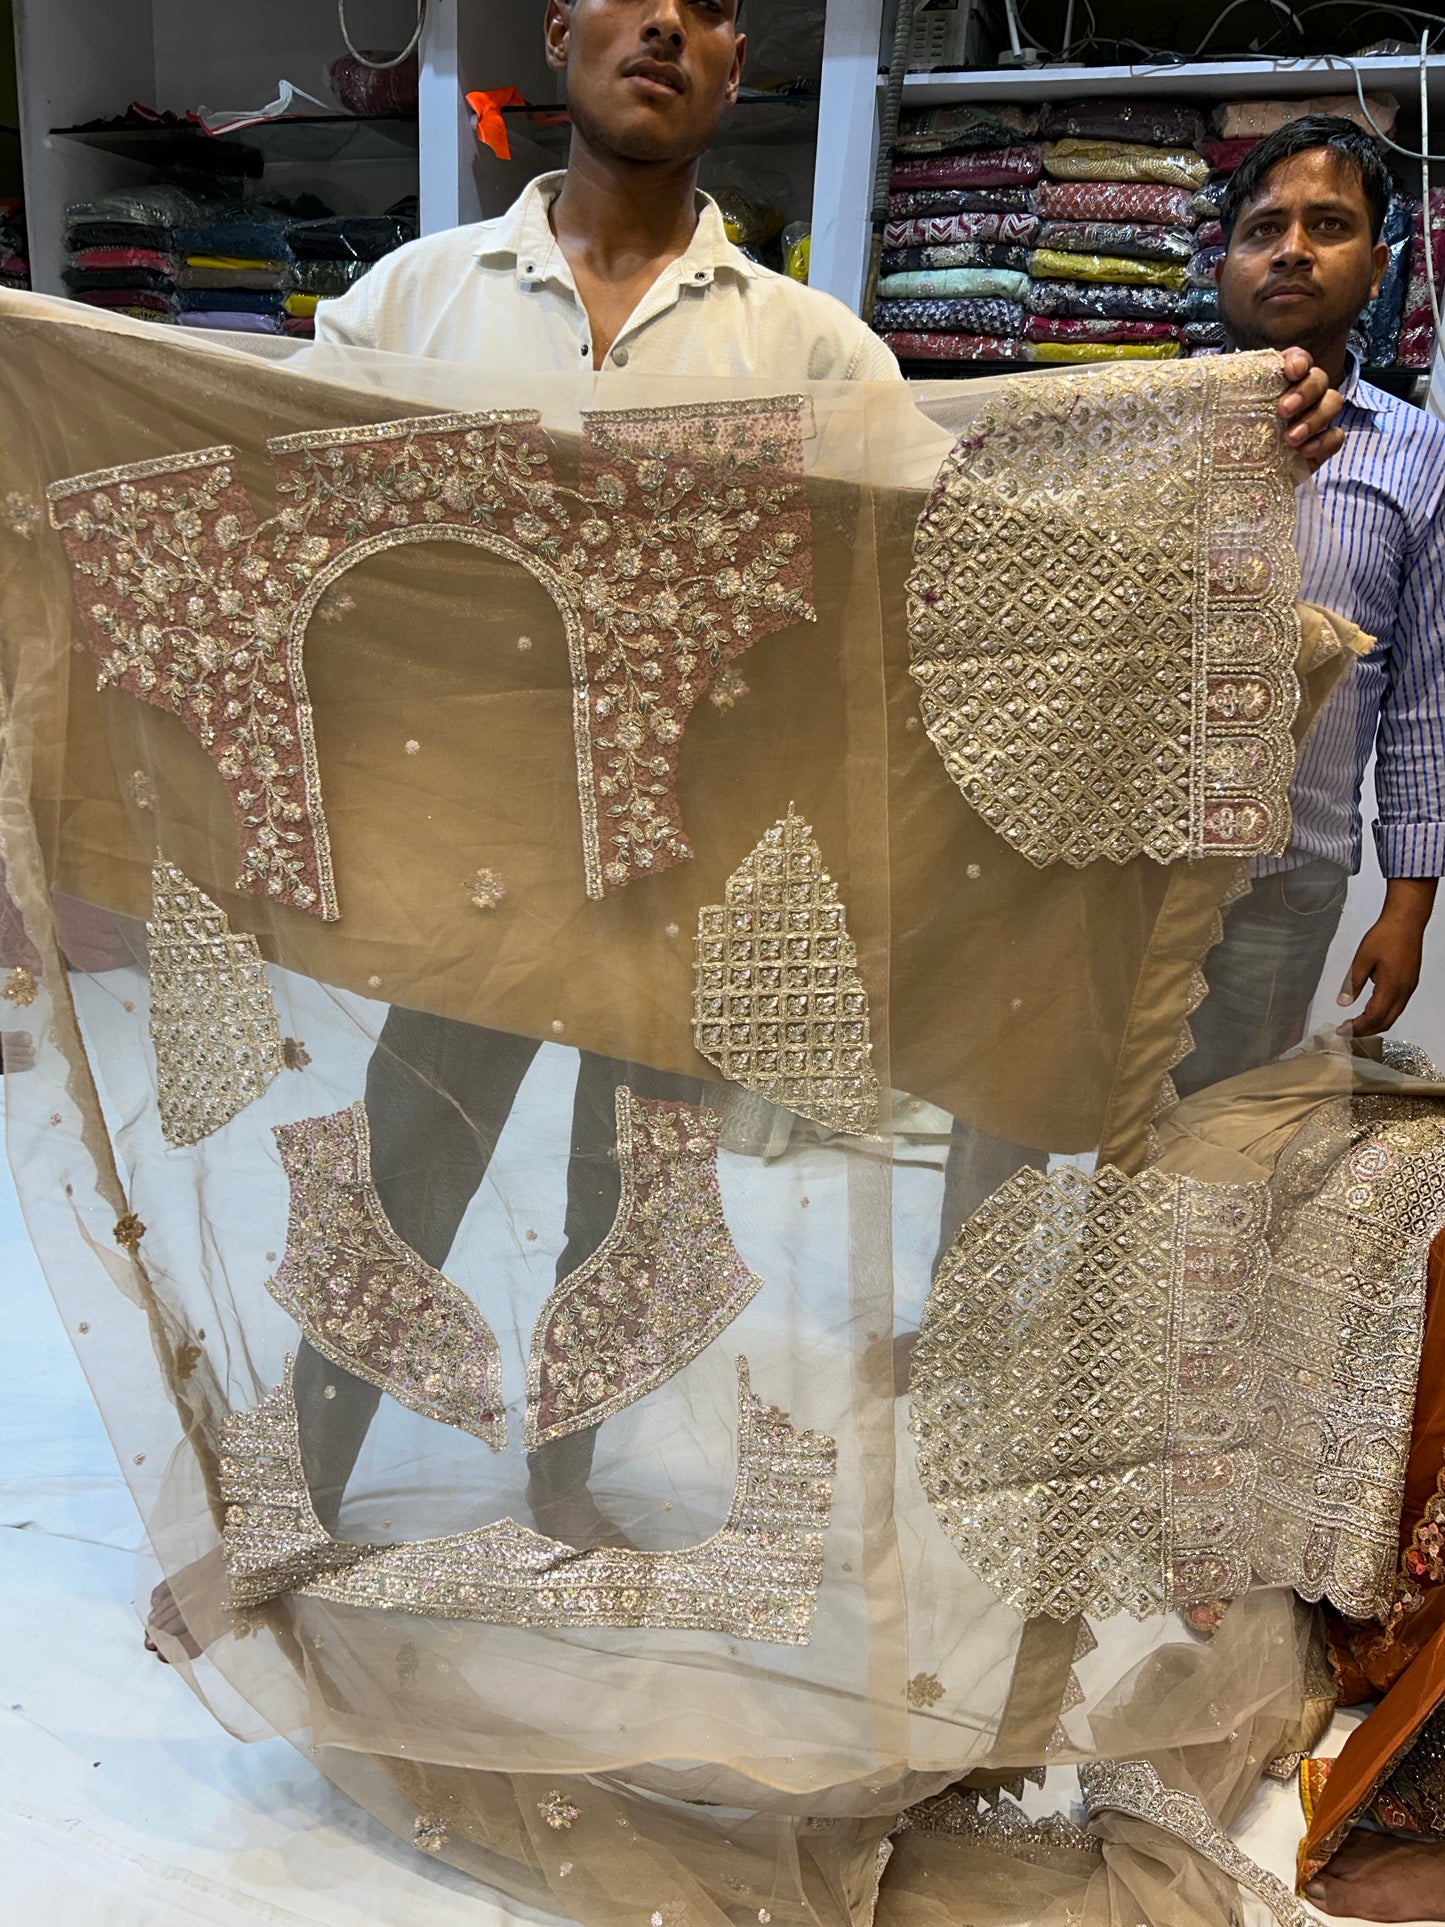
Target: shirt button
(619,355)
(586,347)
(701,275)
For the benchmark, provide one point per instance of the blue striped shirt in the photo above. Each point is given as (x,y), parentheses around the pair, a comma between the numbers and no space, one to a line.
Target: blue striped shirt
(1384,503)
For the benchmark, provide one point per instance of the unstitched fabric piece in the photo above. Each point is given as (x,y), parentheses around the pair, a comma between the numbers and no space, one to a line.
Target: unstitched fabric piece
(232,320)
(256,280)
(1205,334)
(925,283)
(950,347)
(1225,155)
(1063,351)
(116,234)
(1209,234)
(1138,239)
(959,200)
(963,317)
(1002,167)
(959,130)
(357,237)
(110,258)
(1417,330)
(1208,203)
(129,300)
(1203,304)
(234,231)
(301,306)
(1379,325)
(78,279)
(327,278)
(233,300)
(963,254)
(1113,201)
(1084,299)
(1049,264)
(1204,268)
(1158,122)
(1235,119)
(1061,328)
(1081,160)
(951,228)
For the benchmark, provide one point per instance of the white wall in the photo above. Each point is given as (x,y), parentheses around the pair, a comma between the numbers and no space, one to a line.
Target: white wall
(231,53)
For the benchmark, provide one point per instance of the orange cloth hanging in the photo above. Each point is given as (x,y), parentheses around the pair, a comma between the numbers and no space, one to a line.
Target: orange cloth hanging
(491,121)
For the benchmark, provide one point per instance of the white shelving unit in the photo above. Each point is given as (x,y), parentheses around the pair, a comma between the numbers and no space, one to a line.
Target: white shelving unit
(846,160)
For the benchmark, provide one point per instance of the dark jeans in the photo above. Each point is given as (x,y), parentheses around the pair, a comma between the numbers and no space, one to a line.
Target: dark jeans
(1264,975)
(438,1095)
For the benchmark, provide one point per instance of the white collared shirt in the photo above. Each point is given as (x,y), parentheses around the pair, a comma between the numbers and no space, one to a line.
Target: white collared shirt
(501,295)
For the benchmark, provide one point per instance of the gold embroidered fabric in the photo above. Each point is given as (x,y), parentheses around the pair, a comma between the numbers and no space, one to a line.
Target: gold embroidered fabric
(756,1578)
(687,543)
(659,1289)
(780,1007)
(214,1028)
(1229,1373)
(365,1299)
(1004,1827)
(1119,683)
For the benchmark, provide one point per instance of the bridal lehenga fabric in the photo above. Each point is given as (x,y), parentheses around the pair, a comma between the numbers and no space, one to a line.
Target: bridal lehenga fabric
(538,902)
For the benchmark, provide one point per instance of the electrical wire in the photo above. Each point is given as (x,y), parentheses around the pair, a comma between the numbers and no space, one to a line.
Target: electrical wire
(1278,5)
(382,66)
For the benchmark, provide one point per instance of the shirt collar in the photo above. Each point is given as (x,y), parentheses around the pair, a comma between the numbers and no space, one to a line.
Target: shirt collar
(1353,392)
(523,235)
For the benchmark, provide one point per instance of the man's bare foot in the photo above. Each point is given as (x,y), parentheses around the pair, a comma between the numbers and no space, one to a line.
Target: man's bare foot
(1374,1876)
(165,1618)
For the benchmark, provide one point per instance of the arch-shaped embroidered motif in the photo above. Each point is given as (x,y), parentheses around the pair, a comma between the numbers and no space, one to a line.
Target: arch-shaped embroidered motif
(688,539)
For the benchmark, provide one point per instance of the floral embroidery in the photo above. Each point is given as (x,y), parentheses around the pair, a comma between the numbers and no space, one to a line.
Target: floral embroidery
(689,540)
(20,987)
(128,1231)
(663,1284)
(1066,600)
(214,1027)
(779,1006)
(365,1299)
(485,889)
(756,1578)
(21,515)
(924,1690)
(558,1811)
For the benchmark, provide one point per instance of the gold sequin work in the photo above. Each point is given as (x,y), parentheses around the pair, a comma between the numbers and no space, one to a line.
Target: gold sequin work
(214,1028)
(924,1690)
(558,1811)
(756,1578)
(1004,1827)
(779,1005)
(1229,1373)
(1102,625)
(663,1284)
(20,988)
(1133,1787)
(485,889)
(688,541)
(365,1299)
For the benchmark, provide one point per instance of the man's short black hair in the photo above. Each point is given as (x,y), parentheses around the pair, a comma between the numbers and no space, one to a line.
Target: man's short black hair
(1350,143)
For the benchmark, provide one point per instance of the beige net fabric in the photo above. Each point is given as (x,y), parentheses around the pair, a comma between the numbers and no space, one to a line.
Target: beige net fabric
(551,967)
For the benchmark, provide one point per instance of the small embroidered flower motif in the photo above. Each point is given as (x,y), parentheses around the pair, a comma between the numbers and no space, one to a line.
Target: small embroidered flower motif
(728,688)
(557,1811)
(524,643)
(21,516)
(19,988)
(187,1359)
(294,1054)
(429,1833)
(129,1230)
(924,1690)
(486,889)
(412,746)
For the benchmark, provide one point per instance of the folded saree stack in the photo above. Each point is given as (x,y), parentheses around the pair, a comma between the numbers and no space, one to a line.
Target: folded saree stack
(605,964)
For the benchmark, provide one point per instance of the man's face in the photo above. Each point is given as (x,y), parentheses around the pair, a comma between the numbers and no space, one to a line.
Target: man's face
(1301,262)
(647,80)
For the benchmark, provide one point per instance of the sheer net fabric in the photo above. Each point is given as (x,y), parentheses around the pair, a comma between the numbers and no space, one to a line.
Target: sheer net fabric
(506,1341)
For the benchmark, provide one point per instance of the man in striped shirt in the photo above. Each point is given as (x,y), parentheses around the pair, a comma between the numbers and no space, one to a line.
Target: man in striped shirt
(1302,223)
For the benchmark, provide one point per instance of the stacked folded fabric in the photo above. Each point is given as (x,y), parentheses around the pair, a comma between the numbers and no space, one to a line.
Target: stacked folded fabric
(235,270)
(1416,339)
(1111,259)
(1377,337)
(14,253)
(121,250)
(332,252)
(960,219)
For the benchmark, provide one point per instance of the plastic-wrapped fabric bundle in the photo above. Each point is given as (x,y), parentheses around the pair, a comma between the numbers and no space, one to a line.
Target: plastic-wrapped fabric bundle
(1379,325)
(934,346)
(1087,351)
(1204,267)
(1063,328)
(1202,304)
(947,229)
(962,129)
(963,254)
(1156,123)
(1225,155)
(1083,160)
(1083,300)
(1205,334)
(1251,119)
(579,1080)
(1053,264)
(1136,239)
(1007,284)
(1114,201)
(1417,327)
(964,315)
(959,200)
(997,167)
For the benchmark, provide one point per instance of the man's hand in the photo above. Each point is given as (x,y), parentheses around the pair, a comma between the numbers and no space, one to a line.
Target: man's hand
(1308,407)
(1389,957)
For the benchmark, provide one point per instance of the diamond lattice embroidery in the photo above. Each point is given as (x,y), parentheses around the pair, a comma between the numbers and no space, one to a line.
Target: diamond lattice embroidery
(780,1007)
(1103,633)
(213,1023)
